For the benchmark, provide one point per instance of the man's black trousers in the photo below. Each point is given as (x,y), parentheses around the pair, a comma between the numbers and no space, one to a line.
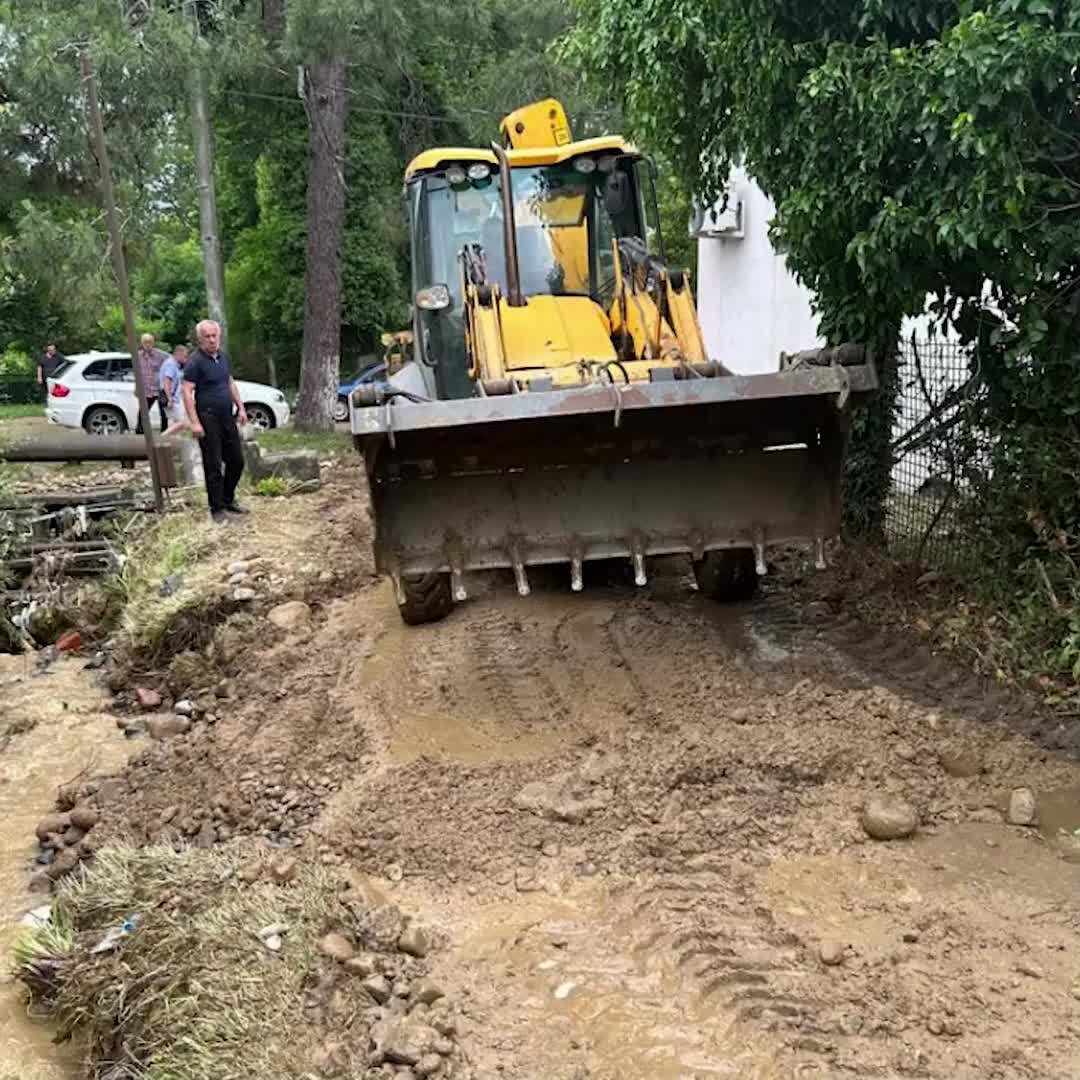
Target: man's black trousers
(223,458)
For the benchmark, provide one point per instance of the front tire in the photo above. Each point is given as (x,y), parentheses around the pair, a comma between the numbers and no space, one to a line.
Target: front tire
(341,410)
(260,417)
(727,575)
(427,598)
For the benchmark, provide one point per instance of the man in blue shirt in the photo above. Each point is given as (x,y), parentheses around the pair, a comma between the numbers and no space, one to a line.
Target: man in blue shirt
(210,393)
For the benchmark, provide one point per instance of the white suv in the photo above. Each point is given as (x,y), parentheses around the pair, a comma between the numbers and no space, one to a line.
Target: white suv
(96,391)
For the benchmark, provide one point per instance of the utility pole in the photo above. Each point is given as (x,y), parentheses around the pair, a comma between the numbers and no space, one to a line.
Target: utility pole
(116,239)
(203,141)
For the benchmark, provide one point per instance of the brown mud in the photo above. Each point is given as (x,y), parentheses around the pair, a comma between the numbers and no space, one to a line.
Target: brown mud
(636,817)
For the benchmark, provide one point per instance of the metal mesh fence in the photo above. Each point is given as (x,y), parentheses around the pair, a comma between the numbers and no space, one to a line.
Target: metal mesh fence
(940,455)
(19,390)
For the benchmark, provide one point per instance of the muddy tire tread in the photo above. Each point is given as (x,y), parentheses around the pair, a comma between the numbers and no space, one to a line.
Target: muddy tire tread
(427,598)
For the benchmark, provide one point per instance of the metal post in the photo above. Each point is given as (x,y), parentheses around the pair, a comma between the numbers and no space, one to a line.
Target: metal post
(513,274)
(108,197)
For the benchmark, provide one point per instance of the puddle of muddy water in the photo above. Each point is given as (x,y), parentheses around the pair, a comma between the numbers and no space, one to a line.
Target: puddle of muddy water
(69,733)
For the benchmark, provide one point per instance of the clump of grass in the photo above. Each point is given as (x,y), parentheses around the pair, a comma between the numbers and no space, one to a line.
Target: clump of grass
(169,550)
(191,991)
(271,486)
(20,412)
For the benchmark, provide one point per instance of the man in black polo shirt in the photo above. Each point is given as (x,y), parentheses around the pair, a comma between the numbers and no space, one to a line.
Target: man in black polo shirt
(209,396)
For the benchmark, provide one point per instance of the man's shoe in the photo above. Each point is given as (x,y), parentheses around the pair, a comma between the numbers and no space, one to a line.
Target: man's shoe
(236,508)
(218,517)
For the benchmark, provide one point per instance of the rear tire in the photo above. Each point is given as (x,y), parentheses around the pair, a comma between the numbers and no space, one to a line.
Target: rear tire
(427,598)
(727,575)
(104,420)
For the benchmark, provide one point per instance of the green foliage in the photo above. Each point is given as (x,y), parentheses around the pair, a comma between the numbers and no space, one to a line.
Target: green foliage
(911,150)
(271,487)
(15,361)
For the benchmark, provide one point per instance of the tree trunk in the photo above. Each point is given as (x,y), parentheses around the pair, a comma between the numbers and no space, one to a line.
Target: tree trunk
(326,108)
(274,20)
(204,170)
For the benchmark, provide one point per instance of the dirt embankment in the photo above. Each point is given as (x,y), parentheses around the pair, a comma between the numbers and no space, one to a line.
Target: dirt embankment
(634,822)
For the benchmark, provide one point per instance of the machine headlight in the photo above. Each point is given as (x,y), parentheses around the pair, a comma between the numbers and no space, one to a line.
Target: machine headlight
(585,164)
(455,175)
(479,170)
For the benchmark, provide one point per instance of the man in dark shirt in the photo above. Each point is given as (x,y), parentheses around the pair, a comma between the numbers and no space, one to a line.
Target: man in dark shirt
(209,396)
(47,365)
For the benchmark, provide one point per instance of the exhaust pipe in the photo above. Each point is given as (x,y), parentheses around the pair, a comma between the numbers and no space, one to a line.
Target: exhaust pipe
(513,275)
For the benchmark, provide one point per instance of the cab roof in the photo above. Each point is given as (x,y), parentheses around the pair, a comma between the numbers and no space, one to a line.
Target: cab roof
(433,160)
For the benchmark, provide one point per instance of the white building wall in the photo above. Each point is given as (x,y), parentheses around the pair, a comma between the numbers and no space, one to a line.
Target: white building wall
(751,307)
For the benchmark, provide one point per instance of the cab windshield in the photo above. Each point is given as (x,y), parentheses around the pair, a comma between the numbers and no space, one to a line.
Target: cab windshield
(560,222)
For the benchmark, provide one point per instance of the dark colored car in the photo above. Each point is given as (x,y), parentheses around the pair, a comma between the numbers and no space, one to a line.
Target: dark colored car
(375,374)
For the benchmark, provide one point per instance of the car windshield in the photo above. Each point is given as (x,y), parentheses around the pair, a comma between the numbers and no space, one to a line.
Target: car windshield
(556,208)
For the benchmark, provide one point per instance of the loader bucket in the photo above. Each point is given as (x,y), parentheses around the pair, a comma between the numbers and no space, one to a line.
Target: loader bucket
(677,465)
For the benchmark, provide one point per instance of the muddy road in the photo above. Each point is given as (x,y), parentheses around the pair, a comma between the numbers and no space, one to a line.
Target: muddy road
(636,819)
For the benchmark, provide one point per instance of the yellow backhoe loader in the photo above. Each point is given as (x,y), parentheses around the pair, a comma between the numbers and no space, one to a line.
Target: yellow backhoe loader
(559,405)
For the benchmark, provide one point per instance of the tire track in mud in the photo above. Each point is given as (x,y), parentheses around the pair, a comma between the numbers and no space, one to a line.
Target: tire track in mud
(864,656)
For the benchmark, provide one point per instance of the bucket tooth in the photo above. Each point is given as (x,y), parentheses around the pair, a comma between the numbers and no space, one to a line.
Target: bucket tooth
(637,557)
(456,558)
(576,582)
(518,563)
(819,553)
(696,543)
(399,589)
(759,551)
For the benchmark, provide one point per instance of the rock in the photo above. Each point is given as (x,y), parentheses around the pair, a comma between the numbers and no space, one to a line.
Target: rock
(1022,807)
(816,613)
(525,881)
(394,873)
(165,727)
(41,882)
(961,764)
(273,942)
(284,870)
(427,994)
(428,1065)
(226,688)
(240,579)
(168,814)
(831,953)
(64,863)
(362,965)
(71,642)
(72,836)
(910,936)
(1030,970)
(52,824)
(239,567)
(550,849)
(290,615)
(273,930)
(565,797)
(148,699)
(444,1025)
(206,836)
(185,707)
(404,1041)
(443,1046)
(905,751)
(85,817)
(401,988)
(243,595)
(888,817)
(931,577)
(987,815)
(337,947)
(413,942)
(378,987)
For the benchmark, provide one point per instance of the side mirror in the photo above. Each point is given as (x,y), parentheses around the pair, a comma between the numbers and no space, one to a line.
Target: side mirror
(617,194)
(433,298)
